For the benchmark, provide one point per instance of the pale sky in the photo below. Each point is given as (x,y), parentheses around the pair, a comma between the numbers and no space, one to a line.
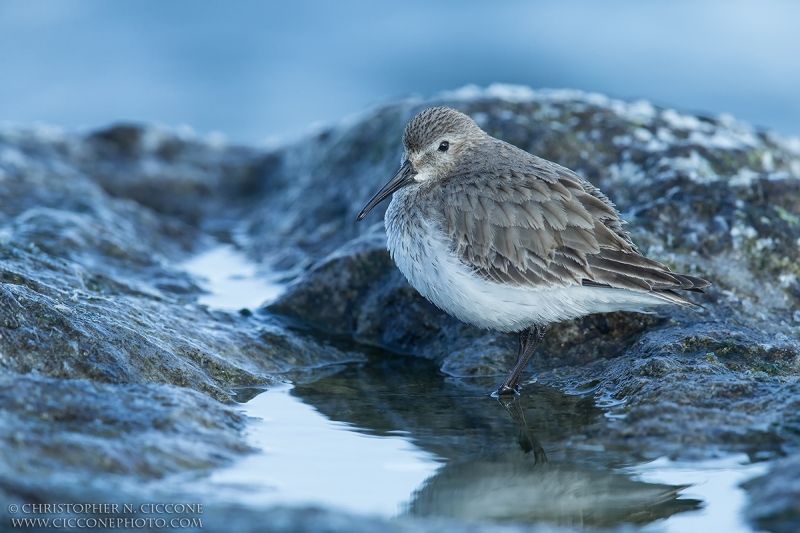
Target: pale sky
(254,70)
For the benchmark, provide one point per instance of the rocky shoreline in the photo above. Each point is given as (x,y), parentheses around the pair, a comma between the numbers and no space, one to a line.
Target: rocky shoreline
(113,376)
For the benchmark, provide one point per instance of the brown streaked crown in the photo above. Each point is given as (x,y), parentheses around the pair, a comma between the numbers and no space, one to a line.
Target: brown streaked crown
(434,123)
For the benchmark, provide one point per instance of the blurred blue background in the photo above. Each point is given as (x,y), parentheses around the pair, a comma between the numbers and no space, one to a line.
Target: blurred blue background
(255,69)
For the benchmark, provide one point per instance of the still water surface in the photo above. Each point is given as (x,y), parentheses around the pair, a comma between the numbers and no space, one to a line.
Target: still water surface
(308,459)
(393,436)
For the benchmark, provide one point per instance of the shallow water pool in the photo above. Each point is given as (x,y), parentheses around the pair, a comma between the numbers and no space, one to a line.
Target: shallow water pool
(395,437)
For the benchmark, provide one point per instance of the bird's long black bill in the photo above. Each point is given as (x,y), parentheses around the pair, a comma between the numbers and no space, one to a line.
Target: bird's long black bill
(403,177)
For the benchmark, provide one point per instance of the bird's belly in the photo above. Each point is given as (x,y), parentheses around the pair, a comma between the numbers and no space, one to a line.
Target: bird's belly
(422,253)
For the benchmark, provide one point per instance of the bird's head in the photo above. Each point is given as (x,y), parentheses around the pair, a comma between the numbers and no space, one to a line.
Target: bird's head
(433,142)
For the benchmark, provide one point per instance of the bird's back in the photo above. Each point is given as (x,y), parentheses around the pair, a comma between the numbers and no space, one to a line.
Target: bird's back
(520,220)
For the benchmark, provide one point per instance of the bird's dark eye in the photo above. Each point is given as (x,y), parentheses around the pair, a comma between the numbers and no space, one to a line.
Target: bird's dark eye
(444,146)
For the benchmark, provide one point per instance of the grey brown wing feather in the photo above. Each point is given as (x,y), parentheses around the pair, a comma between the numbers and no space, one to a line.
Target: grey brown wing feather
(547,227)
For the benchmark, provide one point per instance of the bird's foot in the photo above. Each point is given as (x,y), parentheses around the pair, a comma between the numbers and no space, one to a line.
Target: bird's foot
(505,390)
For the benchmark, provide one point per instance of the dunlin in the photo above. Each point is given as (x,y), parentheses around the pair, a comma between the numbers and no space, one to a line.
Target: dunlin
(505,240)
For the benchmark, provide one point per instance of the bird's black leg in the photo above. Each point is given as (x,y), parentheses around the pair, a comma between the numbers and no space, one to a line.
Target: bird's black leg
(529,340)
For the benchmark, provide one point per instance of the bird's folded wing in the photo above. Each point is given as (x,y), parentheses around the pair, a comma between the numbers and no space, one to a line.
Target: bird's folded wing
(547,227)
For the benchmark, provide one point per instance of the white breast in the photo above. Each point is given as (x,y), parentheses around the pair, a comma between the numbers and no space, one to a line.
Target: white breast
(421,251)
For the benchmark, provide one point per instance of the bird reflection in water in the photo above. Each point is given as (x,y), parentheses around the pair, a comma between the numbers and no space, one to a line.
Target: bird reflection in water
(510,484)
(486,474)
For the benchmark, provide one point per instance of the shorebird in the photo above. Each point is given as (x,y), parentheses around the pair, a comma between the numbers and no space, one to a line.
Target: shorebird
(505,240)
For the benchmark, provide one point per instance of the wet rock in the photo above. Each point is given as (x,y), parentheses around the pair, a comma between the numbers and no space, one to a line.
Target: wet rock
(92,283)
(110,371)
(687,403)
(775,497)
(57,429)
(70,322)
(174,173)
